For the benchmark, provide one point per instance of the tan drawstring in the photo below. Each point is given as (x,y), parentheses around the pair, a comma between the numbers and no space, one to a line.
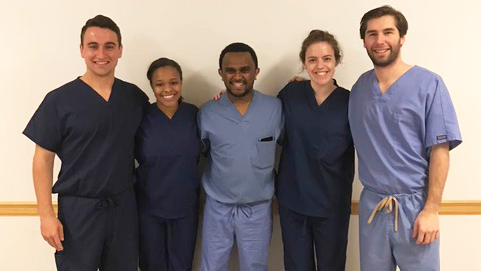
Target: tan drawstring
(386,203)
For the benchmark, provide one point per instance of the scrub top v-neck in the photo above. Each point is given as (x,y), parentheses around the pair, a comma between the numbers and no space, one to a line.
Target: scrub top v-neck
(394,131)
(93,138)
(167,151)
(317,161)
(242,148)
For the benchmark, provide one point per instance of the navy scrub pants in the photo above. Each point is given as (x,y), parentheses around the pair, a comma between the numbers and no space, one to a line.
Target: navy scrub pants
(100,234)
(167,244)
(305,236)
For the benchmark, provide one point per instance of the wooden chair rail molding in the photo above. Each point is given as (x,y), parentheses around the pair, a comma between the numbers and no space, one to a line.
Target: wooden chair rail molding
(448,207)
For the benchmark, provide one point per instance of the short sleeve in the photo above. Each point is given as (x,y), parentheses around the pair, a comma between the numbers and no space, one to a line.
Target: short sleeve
(282,92)
(145,100)
(204,138)
(441,121)
(280,123)
(199,124)
(44,126)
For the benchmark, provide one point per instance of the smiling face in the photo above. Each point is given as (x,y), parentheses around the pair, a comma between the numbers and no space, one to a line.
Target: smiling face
(382,41)
(238,73)
(167,86)
(101,51)
(320,63)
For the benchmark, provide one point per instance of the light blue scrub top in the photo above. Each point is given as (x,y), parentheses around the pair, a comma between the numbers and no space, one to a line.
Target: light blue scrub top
(393,132)
(241,148)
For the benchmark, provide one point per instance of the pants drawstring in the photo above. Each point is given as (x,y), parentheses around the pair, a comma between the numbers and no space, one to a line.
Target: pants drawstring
(244,208)
(106,203)
(387,204)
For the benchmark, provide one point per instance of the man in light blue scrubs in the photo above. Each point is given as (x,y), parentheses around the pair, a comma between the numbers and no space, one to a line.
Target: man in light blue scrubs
(239,131)
(403,125)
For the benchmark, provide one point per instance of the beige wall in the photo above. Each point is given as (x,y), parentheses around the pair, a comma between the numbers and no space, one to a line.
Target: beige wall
(39,51)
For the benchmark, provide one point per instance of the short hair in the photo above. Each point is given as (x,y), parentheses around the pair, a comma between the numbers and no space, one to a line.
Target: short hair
(401,22)
(320,36)
(235,48)
(102,22)
(162,62)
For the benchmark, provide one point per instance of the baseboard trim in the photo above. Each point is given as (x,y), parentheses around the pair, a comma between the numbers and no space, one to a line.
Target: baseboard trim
(448,207)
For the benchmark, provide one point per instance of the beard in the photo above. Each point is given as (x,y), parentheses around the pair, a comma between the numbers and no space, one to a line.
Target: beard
(247,90)
(394,53)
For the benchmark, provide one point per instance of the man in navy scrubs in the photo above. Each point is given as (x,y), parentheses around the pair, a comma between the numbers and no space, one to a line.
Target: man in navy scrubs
(90,123)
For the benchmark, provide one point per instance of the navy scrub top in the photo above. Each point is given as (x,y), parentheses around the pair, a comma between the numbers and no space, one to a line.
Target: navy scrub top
(167,151)
(93,138)
(317,161)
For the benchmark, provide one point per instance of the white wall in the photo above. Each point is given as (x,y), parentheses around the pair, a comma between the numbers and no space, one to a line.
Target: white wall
(39,51)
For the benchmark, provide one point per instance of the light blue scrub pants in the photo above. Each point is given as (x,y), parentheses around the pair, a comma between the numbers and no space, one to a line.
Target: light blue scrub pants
(382,248)
(249,224)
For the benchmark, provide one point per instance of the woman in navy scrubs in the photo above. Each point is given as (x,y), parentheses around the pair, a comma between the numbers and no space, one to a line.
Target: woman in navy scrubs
(167,181)
(317,162)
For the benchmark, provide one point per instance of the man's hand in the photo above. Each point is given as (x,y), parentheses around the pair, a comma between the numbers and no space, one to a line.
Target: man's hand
(426,227)
(217,96)
(52,231)
(50,226)
(296,78)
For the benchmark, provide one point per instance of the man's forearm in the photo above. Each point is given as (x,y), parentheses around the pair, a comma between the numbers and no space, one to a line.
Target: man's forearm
(438,173)
(43,179)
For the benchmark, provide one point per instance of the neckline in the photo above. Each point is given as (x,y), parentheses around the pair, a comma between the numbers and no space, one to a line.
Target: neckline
(311,95)
(94,92)
(392,87)
(163,113)
(232,109)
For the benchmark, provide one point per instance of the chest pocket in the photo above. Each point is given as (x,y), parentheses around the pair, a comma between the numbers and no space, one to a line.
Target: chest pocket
(338,145)
(403,116)
(407,127)
(86,122)
(331,147)
(265,156)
